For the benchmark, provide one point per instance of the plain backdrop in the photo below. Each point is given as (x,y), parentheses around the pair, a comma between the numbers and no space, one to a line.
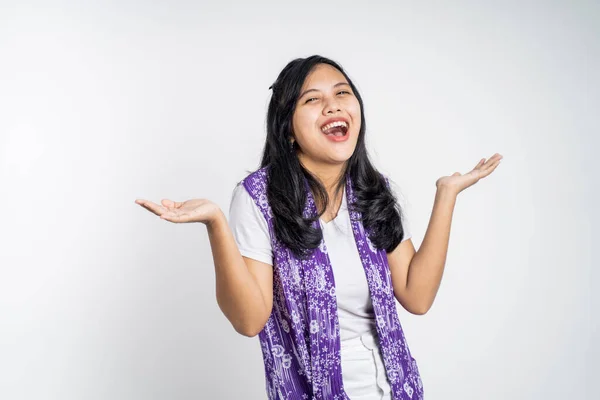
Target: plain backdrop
(105,102)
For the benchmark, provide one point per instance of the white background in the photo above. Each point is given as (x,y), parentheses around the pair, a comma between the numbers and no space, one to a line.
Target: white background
(103,103)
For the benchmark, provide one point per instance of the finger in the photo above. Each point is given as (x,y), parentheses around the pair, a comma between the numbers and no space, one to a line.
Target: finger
(171,204)
(168,216)
(482,169)
(495,162)
(494,158)
(168,203)
(150,206)
(480,163)
(489,169)
(491,161)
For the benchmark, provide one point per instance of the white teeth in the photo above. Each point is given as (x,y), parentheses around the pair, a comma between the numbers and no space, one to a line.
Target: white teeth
(333,124)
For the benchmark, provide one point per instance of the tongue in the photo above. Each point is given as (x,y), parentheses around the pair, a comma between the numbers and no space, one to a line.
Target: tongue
(335,131)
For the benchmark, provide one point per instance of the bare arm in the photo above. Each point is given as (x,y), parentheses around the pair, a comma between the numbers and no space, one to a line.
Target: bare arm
(244,286)
(416,276)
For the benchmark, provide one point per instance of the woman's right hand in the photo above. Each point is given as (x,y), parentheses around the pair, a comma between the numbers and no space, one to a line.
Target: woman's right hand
(195,210)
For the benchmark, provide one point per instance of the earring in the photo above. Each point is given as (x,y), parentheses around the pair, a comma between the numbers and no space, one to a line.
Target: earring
(292,145)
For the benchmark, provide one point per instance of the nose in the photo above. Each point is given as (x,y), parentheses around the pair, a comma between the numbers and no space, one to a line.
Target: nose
(331,107)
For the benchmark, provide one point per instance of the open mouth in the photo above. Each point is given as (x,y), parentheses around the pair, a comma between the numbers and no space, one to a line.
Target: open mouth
(336,128)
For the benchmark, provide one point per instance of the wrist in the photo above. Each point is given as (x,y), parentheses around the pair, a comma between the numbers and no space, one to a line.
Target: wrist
(445,191)
(217,220)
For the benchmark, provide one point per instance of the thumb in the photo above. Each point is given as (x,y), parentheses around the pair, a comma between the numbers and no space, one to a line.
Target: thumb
(168,203)
(456,174)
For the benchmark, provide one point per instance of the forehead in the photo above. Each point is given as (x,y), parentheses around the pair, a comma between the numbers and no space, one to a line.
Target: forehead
(323,76)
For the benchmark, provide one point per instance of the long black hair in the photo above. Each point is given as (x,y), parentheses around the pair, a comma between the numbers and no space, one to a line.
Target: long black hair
(286,189)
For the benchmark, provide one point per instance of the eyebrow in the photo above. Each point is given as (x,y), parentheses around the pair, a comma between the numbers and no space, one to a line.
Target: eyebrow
(316,90)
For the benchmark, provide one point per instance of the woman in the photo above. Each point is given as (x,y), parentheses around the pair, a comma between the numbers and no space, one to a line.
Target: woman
(315,253)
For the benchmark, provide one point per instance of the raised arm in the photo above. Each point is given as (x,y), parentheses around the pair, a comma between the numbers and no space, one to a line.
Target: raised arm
(244,287)
(416,276)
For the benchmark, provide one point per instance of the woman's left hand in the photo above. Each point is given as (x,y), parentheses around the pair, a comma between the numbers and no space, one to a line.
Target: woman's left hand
(457,182)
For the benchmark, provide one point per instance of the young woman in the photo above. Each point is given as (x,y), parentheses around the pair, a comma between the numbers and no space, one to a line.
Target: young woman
(315,251)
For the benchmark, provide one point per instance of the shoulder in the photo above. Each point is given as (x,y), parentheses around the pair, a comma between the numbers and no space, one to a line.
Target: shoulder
(256,182)
(258,176)
(249,227)
(244,210)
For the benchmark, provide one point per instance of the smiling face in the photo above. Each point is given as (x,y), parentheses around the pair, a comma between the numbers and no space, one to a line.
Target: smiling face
(327,119)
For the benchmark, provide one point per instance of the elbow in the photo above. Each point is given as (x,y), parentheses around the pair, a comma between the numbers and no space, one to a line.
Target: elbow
(413,306)
(420,308)
(240,324)
(246,321)
(249,327)
(247,331)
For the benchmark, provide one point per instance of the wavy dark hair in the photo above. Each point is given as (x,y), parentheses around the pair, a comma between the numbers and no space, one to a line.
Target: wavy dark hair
(286,189)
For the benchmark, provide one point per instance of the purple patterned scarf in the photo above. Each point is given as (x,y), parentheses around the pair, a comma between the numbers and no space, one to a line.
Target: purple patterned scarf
(301,340)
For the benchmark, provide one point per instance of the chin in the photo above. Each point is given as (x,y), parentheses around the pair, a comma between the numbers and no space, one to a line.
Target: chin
(340,159)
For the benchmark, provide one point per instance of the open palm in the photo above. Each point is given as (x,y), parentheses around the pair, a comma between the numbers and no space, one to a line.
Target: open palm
(458,182)
(195,210)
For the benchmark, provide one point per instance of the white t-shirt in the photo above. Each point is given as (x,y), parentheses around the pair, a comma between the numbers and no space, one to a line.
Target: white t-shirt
(355,309)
